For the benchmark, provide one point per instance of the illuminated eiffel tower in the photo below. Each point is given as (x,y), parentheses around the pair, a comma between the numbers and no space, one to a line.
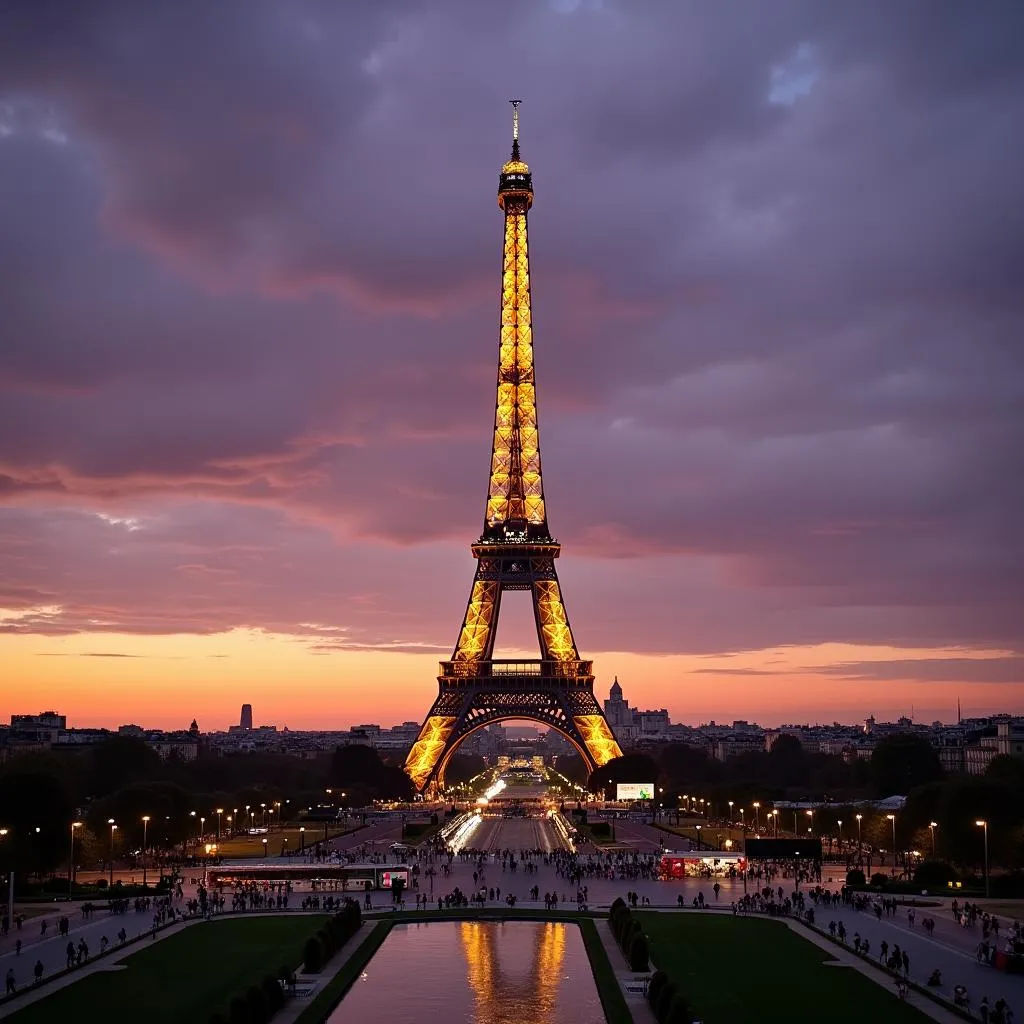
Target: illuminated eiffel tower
(515,552)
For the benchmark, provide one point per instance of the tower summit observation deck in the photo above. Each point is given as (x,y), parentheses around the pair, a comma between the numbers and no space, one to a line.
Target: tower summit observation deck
(515,551)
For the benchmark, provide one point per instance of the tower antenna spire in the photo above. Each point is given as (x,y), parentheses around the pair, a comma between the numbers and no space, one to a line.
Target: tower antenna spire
(515,128)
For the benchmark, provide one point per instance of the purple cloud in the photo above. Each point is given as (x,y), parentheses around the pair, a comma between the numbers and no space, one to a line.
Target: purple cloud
(251,300)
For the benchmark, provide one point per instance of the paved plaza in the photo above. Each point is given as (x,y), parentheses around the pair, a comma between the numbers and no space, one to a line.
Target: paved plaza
(951,949)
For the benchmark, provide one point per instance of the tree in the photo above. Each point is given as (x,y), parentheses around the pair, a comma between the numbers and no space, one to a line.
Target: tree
(463,767)
(573,767)
(120,760)
(684,767)
(902,761)
(628,768)
(166,804)
(36,809)
(786,763)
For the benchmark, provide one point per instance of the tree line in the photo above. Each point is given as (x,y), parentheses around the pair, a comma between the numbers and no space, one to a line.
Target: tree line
(901,764)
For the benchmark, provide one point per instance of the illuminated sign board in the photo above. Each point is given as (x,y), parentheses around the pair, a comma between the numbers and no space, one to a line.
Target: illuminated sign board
(388,878)
(634,791)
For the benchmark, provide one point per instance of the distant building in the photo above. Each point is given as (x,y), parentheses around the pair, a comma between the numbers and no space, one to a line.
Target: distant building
(44,729)
(245,721)
(617,710)
(631,725)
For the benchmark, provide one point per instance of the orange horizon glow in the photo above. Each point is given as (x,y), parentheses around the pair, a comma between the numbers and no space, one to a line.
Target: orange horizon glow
(103,680)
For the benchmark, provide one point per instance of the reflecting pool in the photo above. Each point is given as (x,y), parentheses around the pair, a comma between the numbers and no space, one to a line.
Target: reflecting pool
(476,972)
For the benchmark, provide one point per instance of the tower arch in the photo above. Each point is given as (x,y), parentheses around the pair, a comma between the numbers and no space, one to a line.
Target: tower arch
(496,717)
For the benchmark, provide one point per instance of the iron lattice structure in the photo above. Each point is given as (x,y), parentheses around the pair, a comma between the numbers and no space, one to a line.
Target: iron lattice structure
(515,552)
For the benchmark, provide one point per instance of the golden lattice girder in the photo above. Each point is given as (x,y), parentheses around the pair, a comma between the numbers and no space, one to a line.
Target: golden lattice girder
(516,490)
(556,636)
(428,748)
(478,625)
(597,735)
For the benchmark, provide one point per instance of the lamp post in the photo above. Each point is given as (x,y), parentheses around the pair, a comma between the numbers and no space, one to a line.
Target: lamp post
(743,821)
(796,826)
(839,822)
(932,826)
(145,829)
(984,825)
(892,818)
(110,822)
(698,837)
(220,811)
(810,814)
(775,817)
(10,886)
(264,847)
(859,818)
(71,859)
(730,812)
(202,826)
(302,838)
(757,816)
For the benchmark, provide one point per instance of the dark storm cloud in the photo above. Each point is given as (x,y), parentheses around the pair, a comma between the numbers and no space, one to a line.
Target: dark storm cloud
(249,257)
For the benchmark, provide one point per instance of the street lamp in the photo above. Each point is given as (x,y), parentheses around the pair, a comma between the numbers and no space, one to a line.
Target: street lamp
(264,847)
(810,814)
(984,825)
(698,837)
(202,826)
(145,828)
(302,837)
(859,818)
(10,884)
(775,815)
(730,812)
(892,818)
(932,826)
(743,820)
(71,861)
(110,822)
(839,822)
(220,811)
(757,816)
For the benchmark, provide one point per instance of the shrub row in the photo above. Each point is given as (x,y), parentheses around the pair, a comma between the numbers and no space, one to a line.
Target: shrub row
(259,1003)
(668,1004)
(328,940)
(629,935)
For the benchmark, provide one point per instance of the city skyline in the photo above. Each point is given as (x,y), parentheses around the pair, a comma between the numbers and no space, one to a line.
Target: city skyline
(246,379)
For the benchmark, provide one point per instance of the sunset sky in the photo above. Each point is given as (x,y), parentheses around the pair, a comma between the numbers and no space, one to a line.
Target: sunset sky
(249,270)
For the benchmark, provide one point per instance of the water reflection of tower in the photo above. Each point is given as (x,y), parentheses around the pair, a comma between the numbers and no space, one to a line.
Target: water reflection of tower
(502,997)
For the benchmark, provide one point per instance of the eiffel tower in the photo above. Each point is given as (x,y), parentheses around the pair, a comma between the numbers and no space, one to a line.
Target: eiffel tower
(515,552)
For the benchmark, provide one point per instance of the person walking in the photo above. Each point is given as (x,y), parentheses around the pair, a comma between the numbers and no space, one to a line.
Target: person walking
(38,971)
(11,987)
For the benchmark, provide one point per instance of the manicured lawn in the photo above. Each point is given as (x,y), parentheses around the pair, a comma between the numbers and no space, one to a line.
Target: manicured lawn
(237,847)
(185,977)
(746,968)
